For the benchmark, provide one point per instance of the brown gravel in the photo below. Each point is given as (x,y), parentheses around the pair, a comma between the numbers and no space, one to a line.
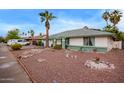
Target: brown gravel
(58,68)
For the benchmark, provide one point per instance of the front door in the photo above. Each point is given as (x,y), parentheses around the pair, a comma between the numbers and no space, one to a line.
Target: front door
(66,42)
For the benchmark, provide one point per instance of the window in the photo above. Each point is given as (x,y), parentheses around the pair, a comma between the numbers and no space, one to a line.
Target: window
(89,41)
(67,41)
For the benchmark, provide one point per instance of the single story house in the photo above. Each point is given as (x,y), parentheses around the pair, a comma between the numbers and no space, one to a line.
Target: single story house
(84,39)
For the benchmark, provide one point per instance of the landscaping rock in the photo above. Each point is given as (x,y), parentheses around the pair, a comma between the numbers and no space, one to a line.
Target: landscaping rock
(67,55)
(31,52)
(54,81)
(41,60)
(75,56)
(99,66)
(2,57)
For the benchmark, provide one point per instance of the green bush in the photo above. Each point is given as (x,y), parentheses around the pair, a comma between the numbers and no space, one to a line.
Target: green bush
(57,47)
(39,43)
(16,46)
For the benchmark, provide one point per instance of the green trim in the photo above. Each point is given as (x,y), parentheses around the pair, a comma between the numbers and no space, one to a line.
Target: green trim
(63,43)
(87,48)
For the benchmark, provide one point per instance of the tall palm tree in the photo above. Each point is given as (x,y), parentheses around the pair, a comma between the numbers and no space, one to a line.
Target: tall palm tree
(115,17)
(46,16)
(105,16)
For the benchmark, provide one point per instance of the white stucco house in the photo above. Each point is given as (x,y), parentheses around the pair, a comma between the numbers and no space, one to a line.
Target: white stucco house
(84,39)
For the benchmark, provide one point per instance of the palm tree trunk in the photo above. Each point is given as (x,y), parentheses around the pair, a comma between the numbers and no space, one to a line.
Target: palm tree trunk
(47,37)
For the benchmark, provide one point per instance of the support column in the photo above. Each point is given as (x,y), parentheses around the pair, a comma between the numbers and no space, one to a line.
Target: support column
(54,42)
(63,43)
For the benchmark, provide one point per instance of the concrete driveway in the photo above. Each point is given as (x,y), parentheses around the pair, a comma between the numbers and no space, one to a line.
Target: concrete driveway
(10,69)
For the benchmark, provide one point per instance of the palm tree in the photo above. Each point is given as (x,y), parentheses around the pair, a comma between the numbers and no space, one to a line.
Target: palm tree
(32,34)
(23,33)
(115,17)
(108,28)
(105,16)
(40,35)
(28,33)
(46,16)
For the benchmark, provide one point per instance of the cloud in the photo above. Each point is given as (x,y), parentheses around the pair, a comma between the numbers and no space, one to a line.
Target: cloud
(121,23)
(68,24)
(63,23)
(5,27)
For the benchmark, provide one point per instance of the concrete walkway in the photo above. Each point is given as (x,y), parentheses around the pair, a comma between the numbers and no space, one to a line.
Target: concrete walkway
(10,69)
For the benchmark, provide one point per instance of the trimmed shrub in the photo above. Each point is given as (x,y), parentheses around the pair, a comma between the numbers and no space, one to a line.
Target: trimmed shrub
(16,46)
(58,47)
(39,42)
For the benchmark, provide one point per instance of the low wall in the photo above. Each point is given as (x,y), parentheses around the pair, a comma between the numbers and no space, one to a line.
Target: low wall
(87,48)
(117,44)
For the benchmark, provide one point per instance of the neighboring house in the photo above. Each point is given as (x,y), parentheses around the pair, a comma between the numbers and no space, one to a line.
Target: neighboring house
(35,38)
(84,39)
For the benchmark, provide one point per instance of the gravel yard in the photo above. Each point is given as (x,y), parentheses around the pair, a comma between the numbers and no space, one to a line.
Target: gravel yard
(62,66)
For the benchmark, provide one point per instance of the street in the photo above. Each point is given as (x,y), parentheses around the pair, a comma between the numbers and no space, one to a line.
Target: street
(10,69)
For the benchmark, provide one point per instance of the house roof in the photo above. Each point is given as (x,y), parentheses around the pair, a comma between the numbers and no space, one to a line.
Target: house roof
(85,31)
(36,37)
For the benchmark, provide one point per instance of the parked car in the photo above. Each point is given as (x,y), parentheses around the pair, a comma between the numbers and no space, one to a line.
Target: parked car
(18,41)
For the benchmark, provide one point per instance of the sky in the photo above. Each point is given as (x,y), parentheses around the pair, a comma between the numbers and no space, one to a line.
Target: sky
(67,19)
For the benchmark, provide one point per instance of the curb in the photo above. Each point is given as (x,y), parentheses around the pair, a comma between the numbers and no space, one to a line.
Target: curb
(25,69)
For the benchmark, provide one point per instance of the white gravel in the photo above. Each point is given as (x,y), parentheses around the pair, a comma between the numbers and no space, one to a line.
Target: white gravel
(31,52)
(99,66)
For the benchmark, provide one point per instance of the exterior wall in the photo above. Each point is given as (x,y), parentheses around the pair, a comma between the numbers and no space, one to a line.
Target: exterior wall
(63,43)
(101,41)
(100,44)
(109,43)
(76,41)
(117,44)
(50,42)
(114,44)
(87,48)
(59,42)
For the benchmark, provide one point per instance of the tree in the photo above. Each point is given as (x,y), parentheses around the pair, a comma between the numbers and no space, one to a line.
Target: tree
(32,35)
(23,33)
(40,39)
(41,36)
(46,16)
(105,16)
(28,33)
(108,28)
(13,34)
(114,18)
(2,39)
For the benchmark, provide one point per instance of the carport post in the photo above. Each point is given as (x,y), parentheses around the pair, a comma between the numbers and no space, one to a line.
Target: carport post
(63,43)
(54,42)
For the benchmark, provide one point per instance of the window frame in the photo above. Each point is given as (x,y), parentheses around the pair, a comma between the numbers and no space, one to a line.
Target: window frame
(88,41)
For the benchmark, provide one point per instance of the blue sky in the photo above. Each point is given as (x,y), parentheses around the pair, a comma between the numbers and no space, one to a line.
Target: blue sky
(66,19)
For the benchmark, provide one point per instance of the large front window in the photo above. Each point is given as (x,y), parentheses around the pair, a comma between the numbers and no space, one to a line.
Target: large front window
(89,41)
